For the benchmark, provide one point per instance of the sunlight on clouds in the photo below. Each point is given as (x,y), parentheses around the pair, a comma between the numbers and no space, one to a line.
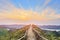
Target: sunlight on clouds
(26,15)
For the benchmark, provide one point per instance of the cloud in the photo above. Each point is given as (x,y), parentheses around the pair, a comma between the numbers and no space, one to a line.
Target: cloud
(24,15)
(47,1)
(21,14)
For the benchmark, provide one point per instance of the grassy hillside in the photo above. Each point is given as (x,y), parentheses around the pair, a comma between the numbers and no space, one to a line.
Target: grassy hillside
(13,34)
(50,35)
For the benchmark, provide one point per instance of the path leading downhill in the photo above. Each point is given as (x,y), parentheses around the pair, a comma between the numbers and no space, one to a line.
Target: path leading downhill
(30,34)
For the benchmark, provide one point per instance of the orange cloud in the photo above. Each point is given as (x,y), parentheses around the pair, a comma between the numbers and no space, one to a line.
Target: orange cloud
(26,15)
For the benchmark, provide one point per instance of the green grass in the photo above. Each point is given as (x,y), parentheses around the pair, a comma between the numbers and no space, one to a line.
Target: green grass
(11,35)
(50,35)
(18,33)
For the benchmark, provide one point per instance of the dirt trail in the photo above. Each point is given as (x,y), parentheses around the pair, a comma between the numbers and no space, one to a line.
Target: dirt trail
(30,34)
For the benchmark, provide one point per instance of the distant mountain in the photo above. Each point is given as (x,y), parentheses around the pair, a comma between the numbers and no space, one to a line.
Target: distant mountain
(49,26)
(12,26)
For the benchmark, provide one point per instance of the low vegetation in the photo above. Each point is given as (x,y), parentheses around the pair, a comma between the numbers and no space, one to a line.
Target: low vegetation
(50,35)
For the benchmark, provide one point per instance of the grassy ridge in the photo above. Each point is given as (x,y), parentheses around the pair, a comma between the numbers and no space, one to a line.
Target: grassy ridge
(50,35)
(12,34)
(18,33)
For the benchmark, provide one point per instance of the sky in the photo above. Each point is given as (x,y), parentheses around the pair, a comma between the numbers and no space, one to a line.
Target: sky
(30,11)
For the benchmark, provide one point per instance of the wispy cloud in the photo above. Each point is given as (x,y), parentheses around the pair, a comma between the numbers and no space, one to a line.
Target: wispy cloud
(9,11)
